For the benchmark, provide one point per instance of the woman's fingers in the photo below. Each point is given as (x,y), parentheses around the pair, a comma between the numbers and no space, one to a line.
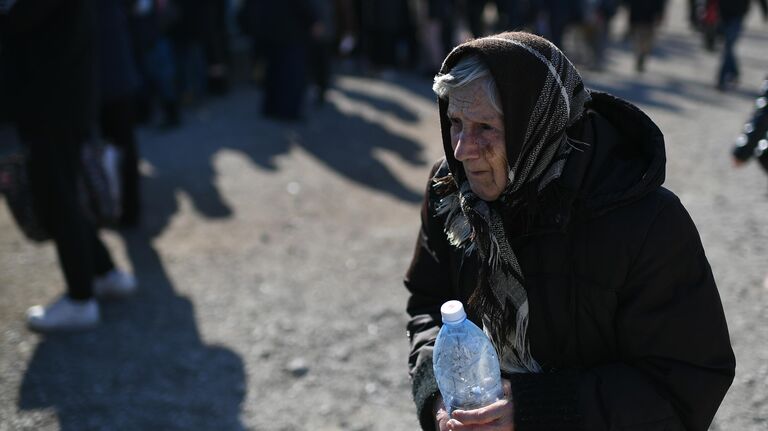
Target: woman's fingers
(497,416)
(483,415)
(507,387)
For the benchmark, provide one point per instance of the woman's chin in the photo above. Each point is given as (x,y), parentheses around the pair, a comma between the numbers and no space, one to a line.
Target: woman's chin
(485,194)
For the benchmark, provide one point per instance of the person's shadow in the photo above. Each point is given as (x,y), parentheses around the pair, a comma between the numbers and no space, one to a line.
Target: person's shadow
(344,142)
(348,144)
(145,367)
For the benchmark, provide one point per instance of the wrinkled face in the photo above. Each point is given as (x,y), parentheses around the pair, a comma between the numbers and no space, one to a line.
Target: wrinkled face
(477,138)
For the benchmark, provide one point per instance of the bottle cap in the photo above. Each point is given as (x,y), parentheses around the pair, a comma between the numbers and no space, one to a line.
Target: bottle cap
(453,312)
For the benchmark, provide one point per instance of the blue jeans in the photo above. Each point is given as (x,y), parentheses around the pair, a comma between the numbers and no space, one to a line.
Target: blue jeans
(192,71)
(729,68)
(160,70)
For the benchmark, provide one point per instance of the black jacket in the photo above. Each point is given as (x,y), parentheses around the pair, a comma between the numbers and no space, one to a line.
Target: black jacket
(625,317)
(755,132)
(117,74)
(737,9)
(49,64)
(646,11)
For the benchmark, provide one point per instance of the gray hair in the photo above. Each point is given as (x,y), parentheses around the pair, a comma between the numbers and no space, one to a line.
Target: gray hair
(468,70)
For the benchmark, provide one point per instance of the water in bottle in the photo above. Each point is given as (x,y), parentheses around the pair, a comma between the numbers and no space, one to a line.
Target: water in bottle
(465,362)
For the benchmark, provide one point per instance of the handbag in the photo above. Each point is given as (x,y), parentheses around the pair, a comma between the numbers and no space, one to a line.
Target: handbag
(99,190)
(14,185)
(101,186)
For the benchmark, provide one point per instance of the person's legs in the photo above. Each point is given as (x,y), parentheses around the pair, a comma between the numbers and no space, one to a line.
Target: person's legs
(324,69)
(320,68)
(285,82)
(162,70)
(729,70)
(558,21)
(474,15)
(191,70)
(54,164)
(54,167)
(509,15)
(117,126)
(643,42)
(54,175)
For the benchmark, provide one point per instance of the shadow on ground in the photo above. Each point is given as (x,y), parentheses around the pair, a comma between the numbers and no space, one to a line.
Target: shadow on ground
(145,367)
(335,139)
(184,158)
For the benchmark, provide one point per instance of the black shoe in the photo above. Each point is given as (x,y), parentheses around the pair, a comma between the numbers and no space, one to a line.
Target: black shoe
(640,64)
(171,112)
(218,85)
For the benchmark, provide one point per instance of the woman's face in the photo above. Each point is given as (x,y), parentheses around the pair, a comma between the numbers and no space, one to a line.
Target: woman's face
(477,138)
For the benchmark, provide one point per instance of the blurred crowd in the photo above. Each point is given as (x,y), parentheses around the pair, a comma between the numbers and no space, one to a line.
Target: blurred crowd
(166,53)
(72,71)
(295,44)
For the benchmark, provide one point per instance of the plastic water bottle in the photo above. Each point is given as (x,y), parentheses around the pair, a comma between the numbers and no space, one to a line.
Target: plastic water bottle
(465,362)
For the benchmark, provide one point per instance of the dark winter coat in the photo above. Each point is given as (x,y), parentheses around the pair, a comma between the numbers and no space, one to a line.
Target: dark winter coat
(737,9)
(117,74)
(279,23)
(646,11)
(625,317)
(49,63)
(754,141)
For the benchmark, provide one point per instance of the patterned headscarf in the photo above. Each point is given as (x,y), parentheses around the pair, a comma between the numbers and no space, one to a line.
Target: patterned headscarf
(541,95)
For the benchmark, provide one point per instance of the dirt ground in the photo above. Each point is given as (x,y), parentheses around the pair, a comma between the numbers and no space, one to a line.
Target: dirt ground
(271,257)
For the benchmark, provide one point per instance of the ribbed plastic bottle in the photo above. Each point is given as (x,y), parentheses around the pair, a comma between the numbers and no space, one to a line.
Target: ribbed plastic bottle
(465,362)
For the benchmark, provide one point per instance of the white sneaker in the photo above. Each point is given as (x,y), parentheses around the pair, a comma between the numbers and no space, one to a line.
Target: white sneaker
(114,284)
(64,315)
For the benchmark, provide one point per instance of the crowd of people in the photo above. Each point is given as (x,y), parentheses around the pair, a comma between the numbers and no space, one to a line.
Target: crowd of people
(519,218)
(299,40)
(78,70)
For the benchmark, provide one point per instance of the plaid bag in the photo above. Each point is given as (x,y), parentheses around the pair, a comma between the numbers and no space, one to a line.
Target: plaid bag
(99,188)
(14,185)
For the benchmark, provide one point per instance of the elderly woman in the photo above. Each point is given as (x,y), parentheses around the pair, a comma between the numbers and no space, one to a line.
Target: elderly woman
(547,217)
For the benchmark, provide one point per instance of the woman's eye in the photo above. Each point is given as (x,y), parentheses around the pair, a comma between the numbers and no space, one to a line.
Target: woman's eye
(485,126)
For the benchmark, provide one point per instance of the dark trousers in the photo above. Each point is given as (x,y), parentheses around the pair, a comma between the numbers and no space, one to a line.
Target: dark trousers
(117,126)
(54,167)
(729,68)
(285,82)
(474,13)
(320,67)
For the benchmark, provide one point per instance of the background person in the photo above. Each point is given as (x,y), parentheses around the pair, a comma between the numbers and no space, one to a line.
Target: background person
(753,142)
(732,13)
(49,62)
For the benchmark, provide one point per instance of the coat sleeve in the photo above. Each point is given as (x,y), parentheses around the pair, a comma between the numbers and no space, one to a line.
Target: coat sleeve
(429,283)
(675,361)
(755,130)
(29,15)
(764,8)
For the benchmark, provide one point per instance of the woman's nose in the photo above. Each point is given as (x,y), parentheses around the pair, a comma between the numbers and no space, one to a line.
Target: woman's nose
(466,147)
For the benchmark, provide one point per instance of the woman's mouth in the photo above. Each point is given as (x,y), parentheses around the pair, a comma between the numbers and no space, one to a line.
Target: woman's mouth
(478,172)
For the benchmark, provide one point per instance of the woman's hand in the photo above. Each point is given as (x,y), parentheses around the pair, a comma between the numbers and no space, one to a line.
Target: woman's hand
(499,416)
